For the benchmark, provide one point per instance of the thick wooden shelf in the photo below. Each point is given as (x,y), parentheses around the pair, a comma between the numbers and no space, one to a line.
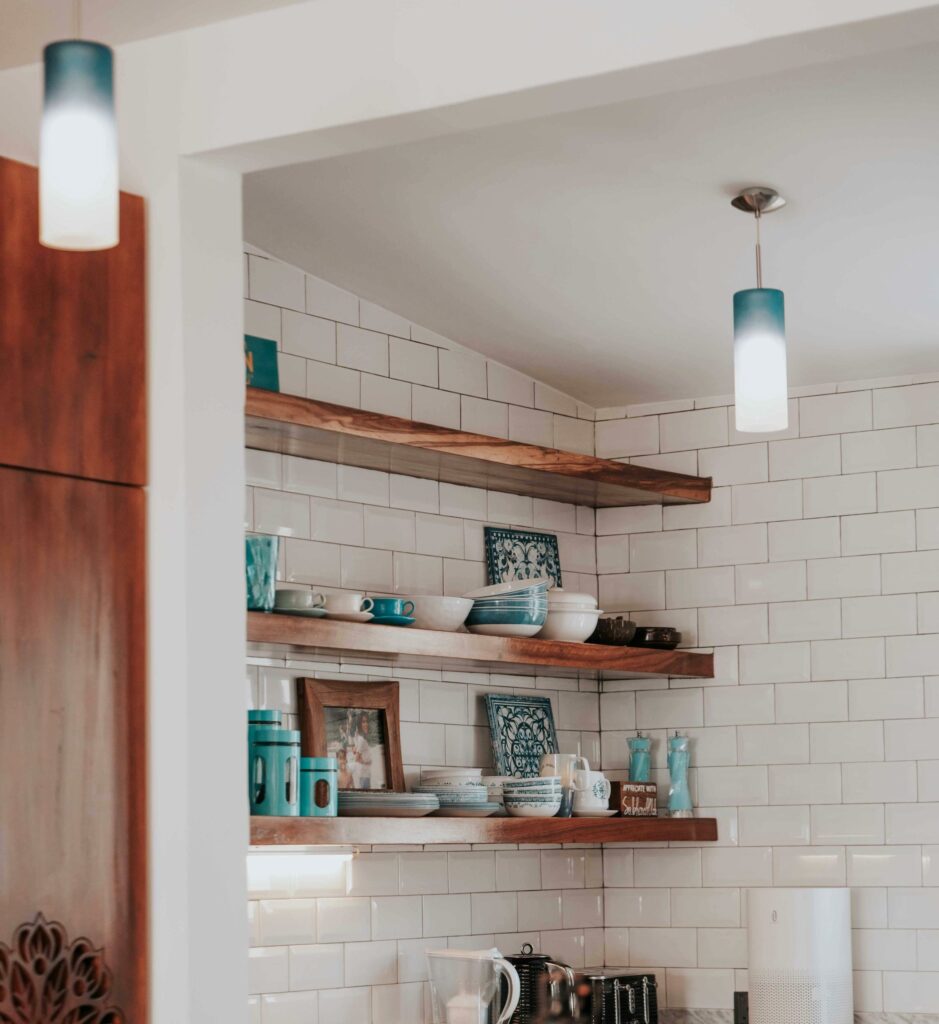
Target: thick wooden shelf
(353,437)
(404,646)
(377,831)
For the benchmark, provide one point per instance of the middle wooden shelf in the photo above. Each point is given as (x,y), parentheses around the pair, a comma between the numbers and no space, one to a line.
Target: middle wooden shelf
(280,634)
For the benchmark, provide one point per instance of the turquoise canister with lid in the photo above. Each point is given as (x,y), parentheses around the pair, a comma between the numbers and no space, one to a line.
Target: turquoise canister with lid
(258,719)
(319,787)
(274,767)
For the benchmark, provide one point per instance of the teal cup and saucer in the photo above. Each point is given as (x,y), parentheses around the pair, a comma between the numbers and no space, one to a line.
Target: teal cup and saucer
(392,611)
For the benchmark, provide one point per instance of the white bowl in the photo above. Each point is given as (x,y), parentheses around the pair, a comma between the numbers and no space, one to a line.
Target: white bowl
(570,599)
(532,811)
(503,629)
(568,624)
(444,613)
(512,587)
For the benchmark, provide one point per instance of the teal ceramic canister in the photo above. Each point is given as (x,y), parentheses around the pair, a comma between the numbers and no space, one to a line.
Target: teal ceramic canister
(258,720)
(274,786)
(319,787)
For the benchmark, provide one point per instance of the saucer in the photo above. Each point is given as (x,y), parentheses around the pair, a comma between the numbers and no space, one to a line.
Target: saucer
(349,616)
(595,814)
(392,620)
(309,613)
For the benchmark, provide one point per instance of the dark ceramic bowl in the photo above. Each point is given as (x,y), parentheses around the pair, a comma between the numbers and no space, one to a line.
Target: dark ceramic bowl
(665,638)
(615,630)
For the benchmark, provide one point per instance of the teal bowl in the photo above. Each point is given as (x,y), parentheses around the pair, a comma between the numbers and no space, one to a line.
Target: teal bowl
(507,617)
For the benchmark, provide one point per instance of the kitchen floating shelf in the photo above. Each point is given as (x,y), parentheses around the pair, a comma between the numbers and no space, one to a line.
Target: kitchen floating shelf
(368,440)
(327,638)
(376,831)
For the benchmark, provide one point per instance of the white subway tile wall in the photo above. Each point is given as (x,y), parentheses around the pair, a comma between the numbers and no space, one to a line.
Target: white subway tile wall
(812,572)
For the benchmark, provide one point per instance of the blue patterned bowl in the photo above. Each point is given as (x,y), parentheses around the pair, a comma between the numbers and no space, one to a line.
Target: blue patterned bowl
(507,617)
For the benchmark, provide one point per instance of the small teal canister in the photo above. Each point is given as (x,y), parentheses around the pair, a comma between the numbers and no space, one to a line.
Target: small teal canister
(319,789)
(258,719)
(274,786)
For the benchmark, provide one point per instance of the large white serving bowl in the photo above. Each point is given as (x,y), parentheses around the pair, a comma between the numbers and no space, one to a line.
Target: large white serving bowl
(444,613)
(569,624)
(532,808)
(504,629)
(570,599)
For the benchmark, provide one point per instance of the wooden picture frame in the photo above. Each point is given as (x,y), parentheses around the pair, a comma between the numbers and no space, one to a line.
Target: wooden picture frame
(317,697)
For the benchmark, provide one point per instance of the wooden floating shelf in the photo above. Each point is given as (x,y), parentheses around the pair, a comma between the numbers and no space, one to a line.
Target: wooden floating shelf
(327,638)
(368,440)
(377,831)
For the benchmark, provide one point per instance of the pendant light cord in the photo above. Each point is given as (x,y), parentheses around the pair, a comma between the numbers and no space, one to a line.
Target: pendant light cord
(759,254)
(77,18)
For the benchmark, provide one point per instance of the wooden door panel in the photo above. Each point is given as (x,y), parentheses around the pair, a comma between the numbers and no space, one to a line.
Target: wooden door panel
(72,344)
(72,717)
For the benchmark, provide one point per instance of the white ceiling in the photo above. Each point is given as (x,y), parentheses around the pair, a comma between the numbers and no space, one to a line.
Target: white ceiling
(597,250)
(27,25)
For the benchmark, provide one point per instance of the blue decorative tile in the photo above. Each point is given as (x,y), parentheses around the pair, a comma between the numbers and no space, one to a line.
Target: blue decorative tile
(521,555)
(522,731)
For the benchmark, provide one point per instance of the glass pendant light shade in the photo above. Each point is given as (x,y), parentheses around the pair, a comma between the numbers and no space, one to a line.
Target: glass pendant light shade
(760,381)
(78,178)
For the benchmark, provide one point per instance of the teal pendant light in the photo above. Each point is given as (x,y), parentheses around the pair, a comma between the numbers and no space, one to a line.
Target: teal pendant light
(78,177)
(761,389)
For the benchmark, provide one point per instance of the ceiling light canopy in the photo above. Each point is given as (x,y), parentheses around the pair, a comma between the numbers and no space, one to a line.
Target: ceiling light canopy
(761,389)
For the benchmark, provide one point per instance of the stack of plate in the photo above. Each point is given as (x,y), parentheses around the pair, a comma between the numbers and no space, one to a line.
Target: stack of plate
(532,798)
(517,608)
(381,804)
(460,791)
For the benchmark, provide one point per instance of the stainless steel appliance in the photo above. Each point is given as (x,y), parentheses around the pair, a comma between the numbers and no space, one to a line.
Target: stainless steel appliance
(614,997)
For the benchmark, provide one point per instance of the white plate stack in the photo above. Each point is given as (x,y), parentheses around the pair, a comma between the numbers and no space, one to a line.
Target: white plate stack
(461,792)
(571,616)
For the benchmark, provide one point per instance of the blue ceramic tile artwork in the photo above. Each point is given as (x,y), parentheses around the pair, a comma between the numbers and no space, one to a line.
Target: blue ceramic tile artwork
(261,363)
(521,555)
(522,732)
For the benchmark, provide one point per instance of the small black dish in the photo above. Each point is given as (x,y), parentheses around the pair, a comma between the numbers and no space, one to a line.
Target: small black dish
(663,638)
(614,630)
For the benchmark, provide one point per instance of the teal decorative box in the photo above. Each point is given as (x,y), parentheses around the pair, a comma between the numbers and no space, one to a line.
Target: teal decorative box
(261,363)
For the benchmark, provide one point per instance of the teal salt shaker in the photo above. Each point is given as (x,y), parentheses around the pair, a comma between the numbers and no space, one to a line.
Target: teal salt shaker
(274,786)
(319,787)
(260,720)
(640,761)
(679,759)
(261,572)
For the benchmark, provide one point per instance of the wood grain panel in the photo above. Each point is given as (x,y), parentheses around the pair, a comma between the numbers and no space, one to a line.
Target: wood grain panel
(369,831)
(394,643)
(72,344)
(72,726)
(353,437)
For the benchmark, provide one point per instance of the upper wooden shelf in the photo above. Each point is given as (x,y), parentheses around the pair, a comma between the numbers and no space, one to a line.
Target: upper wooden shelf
(353,437)
(378,831)
(427,647)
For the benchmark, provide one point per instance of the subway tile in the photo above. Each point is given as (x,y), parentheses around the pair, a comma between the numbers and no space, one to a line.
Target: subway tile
(868,904)
(344,919)
(871,450)
(840,495)
(632,591)
(705,908)
(901,407)
(283,922)
(447,915)
(539,911)
(289,1008)
(326,300)
(722,947)
(912,823)
(848,659)
(563,869)
(429,405)
(740,866)
(278,512)
(812,702)
(494,912)
(263,469)
(878,699)
(741,624)
(554,515)
(736,705)
(850,825)
(366,569)
(267,969)
(309,336)
(927,613)
(612,554)
(359,349)
(928,950)
(582,908)
(911,992)
(913,739)
(770,581)
(912,655)
(763,503)
(885,782)
(879,616)
(682,431)
(388,528)
(696,588)
(909,573)
(443,702)
(262,320)
(669,709)
(335,384)
(674,550)
(345,1004)
(804,620)
(517,870)
(879,949)
(423,874)
(552,400)
(879,532)
(912,907)
(572,435)
(531,426)
(700,988)
(809,538)
(639,908)
(365,485)
(847,741)
(417,574)
(617,439)
(775,663)
(510,508)
(732,545)
(818,865)
(463,372)
(465,502)
(412,956)
(927,528)
(376,318)
(928,780)
(804,457)
(480,416)
(336,522)
(908,489)
(276,283)
(740,464)
(858,576)
(396,1004)
(317,966)
(371,963)
(508,385)
(663,947)
(410,361)
(629,519)
(673,868)
(292,373)
(732,786)
(835,414)
(716,512)
(669,462)
(374,874)
(773,744)
(774,826)
(927,447)
(792,430)
(389,397)
(396,917)
(309,476)
(805,783)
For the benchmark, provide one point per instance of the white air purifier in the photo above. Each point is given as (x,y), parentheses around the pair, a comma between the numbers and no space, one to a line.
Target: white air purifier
(799,946)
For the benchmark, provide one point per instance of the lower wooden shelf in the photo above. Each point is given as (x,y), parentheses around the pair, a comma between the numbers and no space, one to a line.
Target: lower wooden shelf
(270,831)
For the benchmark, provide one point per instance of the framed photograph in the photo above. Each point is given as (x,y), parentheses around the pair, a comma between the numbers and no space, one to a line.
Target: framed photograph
(358,724)
(522,732)
(521,555)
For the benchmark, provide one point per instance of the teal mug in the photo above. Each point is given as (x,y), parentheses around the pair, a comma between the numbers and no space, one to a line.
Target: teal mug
(382,606)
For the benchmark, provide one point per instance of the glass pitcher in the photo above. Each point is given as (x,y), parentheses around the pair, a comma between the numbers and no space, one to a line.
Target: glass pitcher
(465,986)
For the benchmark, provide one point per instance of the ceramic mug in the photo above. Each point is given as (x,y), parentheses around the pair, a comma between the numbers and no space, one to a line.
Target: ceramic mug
(565,766)
(347,604)
(298,600)
(382,606)
(591,791)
